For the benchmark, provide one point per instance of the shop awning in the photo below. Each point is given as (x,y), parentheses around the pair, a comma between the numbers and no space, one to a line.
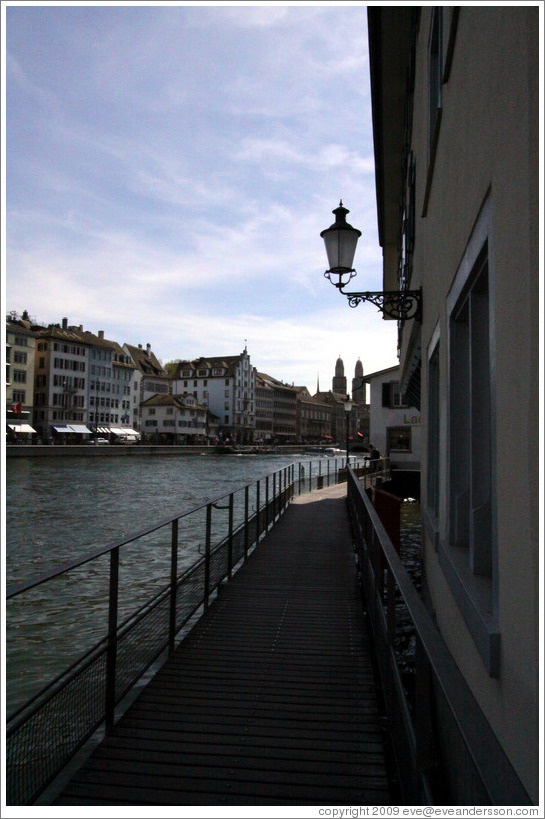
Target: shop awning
(104,430)
(80,428)
(62,429)
(125,431)
(21,428)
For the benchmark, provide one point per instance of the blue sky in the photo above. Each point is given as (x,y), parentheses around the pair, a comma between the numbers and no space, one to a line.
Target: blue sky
(169,169)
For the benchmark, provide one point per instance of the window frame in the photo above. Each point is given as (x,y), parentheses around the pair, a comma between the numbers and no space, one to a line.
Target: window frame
(476,595)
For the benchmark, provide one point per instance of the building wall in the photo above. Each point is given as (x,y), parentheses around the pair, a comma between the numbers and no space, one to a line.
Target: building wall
(483,188)
(385,418)
(20,368)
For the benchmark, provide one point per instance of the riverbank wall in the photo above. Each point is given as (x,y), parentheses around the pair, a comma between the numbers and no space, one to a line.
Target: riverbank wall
(90,451)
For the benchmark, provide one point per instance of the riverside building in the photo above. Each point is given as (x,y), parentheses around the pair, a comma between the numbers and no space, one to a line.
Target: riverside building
(455,102)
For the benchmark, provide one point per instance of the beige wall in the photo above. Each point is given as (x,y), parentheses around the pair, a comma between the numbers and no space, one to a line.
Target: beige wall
(488,148)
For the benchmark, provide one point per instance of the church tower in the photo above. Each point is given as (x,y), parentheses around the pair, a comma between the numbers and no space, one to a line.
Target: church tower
(339,381)
(358,384)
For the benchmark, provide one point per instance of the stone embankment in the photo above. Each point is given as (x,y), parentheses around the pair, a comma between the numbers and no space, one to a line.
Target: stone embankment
(92,451)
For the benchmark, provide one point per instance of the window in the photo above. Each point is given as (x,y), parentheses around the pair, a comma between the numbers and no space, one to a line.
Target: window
(435,82)
(19,357)
(391,395)
(433,433)
(19,376)
(470,433)
(435,75)
(398,439)
(467,556)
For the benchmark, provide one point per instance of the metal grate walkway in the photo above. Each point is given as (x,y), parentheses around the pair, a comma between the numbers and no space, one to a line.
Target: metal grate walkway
(270,700)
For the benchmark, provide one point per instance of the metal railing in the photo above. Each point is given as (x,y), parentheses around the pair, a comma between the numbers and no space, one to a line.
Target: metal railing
(45,733)
(441,710)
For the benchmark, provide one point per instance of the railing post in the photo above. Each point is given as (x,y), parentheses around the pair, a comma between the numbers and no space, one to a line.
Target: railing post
(257,502)
(267,503)
(328,472)
(230,545)
(173,585)
(390,603)
(207,555)
(111,655)
(246,533)
(274,497)
(422,713)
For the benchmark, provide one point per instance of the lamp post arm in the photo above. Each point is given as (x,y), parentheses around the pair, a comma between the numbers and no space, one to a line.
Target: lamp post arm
(396,304)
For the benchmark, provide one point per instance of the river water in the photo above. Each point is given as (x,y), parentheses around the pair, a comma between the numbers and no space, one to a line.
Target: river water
(59,510)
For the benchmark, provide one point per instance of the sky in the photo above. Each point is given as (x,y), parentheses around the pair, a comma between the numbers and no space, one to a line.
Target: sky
(169,168)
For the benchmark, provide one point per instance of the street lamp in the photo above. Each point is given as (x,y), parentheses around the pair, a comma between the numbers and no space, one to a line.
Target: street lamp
(348,409)
(340,243)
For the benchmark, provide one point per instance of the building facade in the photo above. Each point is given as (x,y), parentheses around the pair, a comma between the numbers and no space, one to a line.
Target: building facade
(227,386)
(174,419)
(313,418)
(20,353)
(284,401)
(455,99)
(61,383)
(149,379)
(395,426)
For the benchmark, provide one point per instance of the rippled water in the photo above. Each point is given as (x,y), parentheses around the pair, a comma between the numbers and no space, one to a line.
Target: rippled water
(59,510)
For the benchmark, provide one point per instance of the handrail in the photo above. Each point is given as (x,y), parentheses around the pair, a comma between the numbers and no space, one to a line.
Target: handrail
(377,554)
(109,547)
(43,734)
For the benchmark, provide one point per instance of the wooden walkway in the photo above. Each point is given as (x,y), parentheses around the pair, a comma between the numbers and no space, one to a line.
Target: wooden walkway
(270,700)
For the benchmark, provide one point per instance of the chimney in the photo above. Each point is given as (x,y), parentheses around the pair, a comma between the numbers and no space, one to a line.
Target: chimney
(65,324)
(101,333)
(139,346)
(148,349)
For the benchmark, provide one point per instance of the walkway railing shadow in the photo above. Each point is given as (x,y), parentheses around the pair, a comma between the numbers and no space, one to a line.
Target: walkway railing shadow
(442,708)
(45,733)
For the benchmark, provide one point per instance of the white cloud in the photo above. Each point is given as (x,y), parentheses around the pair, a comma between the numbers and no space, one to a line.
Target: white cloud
(172,167)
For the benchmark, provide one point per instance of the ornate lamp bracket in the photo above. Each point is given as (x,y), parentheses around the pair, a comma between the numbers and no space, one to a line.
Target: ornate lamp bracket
(396,304)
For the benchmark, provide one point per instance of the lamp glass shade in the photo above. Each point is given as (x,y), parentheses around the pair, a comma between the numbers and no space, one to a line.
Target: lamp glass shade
(348,403)
(340,242)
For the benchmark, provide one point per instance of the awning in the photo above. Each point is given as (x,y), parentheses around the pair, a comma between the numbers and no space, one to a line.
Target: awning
(117,431)
(80,428)
(21,428)
(62,429)
(104,430)
(125,431)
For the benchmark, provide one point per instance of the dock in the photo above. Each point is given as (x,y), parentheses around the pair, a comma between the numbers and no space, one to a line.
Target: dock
(271,698)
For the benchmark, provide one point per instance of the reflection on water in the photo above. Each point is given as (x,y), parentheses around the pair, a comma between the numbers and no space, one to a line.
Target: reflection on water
(410,552)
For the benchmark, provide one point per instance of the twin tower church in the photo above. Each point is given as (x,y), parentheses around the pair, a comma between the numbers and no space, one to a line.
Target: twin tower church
(358,385)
